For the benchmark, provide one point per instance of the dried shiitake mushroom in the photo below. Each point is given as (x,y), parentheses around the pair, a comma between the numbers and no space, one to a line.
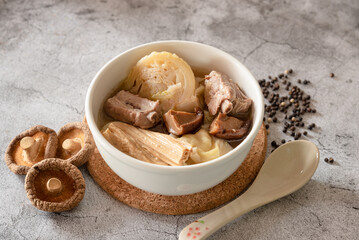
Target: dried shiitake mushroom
(75,145)
(30,147)
(54,185)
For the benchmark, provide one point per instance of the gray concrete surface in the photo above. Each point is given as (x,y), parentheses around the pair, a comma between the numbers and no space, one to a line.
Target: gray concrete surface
(50,51)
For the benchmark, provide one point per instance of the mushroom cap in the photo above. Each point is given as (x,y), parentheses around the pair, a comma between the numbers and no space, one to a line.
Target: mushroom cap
(73,130)
(230,128)
(20,167)
(71,178)
(180,122)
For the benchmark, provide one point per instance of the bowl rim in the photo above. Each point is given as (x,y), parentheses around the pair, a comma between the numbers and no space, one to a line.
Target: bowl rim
(256,124)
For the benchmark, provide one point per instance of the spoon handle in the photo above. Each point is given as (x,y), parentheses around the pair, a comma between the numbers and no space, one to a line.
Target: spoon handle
(207,225)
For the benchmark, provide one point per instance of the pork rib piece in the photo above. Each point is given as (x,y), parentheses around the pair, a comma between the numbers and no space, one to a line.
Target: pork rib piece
(130,108)
(223,95)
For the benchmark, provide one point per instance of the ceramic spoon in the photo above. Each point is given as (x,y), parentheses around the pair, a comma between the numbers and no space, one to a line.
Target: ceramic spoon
(286,170)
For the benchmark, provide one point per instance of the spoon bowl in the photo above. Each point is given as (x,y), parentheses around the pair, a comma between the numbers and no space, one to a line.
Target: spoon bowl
(285,171)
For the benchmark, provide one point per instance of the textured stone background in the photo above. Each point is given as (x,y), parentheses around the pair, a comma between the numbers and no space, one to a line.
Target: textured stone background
(50,51)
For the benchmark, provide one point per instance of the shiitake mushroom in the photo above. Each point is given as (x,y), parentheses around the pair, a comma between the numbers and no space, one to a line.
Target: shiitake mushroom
(75,144)
(30,147)
(54,185)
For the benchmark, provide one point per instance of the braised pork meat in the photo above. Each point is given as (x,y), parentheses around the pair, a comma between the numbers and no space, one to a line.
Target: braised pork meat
(223,95)
(130,108)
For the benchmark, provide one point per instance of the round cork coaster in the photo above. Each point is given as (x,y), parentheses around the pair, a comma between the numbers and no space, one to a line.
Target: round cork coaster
(187,204)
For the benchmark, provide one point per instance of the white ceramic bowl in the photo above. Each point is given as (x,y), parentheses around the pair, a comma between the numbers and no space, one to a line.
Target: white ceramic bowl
(169,180)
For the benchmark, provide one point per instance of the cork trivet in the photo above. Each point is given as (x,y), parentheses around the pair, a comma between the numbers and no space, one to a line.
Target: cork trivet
(177,205)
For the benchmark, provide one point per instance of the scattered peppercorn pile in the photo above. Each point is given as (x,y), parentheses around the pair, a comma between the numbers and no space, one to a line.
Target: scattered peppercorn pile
(293,106)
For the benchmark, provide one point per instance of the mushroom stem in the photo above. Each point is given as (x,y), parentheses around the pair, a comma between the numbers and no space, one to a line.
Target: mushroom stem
(31,148)
(72,146)
(54,185)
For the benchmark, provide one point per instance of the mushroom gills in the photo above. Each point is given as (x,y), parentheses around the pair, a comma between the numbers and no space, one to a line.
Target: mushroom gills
(31,148)
(179,122)
(75,143)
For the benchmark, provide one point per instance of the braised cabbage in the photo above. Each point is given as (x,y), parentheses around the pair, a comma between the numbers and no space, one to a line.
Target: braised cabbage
(205,147)
(165,77)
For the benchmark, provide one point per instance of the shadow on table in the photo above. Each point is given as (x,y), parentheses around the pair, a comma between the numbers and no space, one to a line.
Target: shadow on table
(101,216)
(302,214)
